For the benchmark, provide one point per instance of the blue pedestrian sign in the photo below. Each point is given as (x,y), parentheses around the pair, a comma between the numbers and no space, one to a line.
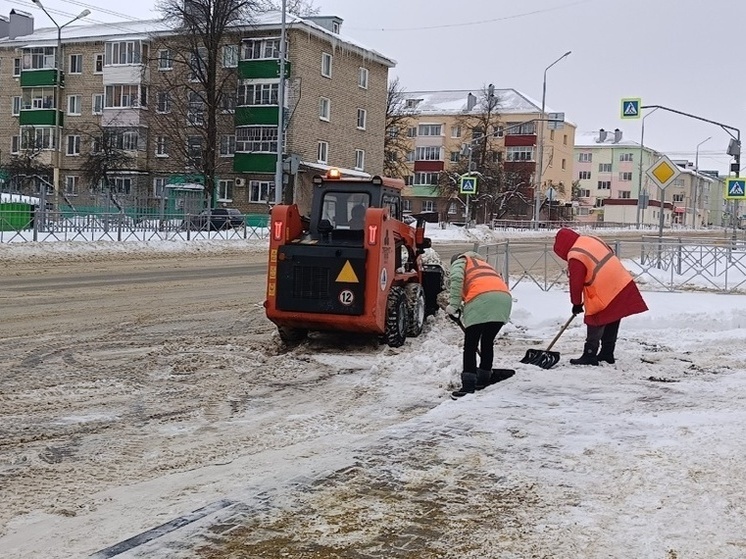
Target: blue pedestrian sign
(735,189)
(631,107)
(468,185)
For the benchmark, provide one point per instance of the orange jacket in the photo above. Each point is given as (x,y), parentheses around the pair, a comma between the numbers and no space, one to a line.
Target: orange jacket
(480,277)
(605,275)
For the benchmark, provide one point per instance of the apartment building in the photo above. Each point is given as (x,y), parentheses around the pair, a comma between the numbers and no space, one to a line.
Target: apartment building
(118,85)
(441,138)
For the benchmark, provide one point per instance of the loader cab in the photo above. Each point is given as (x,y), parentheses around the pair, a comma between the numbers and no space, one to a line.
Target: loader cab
(338,206)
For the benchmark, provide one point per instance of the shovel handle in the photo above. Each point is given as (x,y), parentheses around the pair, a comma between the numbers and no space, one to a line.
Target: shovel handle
(562,330)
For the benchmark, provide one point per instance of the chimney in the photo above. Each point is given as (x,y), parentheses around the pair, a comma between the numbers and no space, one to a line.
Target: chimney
(21,23)
(471,101)
(617,135)
(601,136)
(4,27)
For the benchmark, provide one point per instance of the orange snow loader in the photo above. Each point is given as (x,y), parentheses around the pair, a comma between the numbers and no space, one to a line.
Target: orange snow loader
(353,266)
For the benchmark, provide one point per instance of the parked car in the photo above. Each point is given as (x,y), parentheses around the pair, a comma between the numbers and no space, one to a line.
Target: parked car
(218,219)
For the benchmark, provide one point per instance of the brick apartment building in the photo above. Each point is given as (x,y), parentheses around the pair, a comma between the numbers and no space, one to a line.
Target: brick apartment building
(118,80)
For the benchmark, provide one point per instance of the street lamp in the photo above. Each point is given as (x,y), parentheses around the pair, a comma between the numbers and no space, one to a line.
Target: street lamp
(57,101)
(696,185)
(540,161)
(279,169)
(642,200)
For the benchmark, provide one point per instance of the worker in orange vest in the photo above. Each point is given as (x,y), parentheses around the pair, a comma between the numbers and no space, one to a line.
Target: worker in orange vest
(601,287)
(479,290)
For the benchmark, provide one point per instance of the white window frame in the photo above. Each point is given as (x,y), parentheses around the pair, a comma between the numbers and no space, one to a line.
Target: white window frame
(428,153)
(227,145)
(267,48)
(430,130)
(325,109)
(428,205)
(584,175)
(159,187)
(97,103)
(258,139)
(605,168)
(603,185)
(74,105)
(122,185)
(322,152)
(362,119)
(17,67)
(225,190)
(455,131)
(362,77)
(585,157)
(625,176)
(360,159)
(16,103)
(71,185)
(72,145)
(15,144)
(259,191)
(230,54)
(165,62)
(98,63)
(326,64)
(519,153)
(626,157)
(77,67)
(161,146)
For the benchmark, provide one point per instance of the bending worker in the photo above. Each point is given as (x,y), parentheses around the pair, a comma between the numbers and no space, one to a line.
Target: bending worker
(601,287)
(478,289)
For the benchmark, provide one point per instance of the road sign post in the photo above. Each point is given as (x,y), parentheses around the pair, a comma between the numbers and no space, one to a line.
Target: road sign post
(663,172)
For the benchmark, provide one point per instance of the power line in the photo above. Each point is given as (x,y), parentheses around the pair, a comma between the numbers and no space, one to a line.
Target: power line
(472,23)
(100,9)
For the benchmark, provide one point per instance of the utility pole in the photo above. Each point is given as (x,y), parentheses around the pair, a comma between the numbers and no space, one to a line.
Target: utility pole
(279,169)
(697,183)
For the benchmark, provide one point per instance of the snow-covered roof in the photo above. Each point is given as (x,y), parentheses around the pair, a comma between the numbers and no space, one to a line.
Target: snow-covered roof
(142,29)
(592,139)
(456,101)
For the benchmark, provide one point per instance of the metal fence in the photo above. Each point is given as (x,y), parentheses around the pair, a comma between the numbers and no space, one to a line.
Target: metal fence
(16,226)
(657,263)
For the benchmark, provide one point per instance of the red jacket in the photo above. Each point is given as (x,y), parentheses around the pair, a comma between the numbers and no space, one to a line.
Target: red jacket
(627,302)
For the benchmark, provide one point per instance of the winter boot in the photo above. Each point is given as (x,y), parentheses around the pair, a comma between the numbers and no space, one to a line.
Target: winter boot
(607,353)
(468,385)
(589,355)
(483,378)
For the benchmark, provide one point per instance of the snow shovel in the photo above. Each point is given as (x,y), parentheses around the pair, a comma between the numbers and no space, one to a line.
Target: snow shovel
(546,359)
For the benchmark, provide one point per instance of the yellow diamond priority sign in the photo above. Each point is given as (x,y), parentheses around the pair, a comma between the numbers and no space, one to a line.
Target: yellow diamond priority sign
(663,172)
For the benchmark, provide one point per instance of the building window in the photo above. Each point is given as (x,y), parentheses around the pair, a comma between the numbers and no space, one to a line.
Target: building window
(258,94)
(429,130)
(225,190)
(455,156)
(39,58)
(564,139)
(584,193)
(324,108)
(428,205)
(97,103)
(123,185)
(261,48)
(362,78)
(499,131)
(16,110)
(227,145)
(322,152)
(564,163)
(76,64)
(452,209)
(362,116)
(129,141)
(194,151)
(15,144)
(125,52)
(257,139)
(551,135)
(198,65)
(163,102)
(259,191)
(161,146)
(604,185)
(585,157)
(165,62)
(625,194)
(519,153)
(326,64)
(625,177)
(37,138)
(604,167)
(98,63)
(73,145)
(584,175)
(73,105)
(412,132)
(159,187)
(455,131)
(359,159)
(521,128)
(626,157)
(16,67)
(71,185)
(230,56)
(122,96)
(196,109)
(426,178)
(428,153)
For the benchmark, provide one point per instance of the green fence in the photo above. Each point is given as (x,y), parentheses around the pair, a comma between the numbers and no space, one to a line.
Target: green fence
(16,216)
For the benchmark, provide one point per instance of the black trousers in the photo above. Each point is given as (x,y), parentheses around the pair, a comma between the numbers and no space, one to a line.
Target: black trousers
(480,336)
(606,333)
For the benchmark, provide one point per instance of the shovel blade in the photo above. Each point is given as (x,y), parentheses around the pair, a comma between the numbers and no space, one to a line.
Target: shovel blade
(541,358)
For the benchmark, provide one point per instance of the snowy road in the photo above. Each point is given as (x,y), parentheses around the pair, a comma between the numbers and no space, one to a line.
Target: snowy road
(127,406)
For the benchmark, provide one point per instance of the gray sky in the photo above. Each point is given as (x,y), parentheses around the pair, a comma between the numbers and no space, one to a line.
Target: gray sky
(681,54)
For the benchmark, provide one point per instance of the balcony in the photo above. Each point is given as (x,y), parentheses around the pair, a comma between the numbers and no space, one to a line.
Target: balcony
(261,69)
(40,117)
(41,77)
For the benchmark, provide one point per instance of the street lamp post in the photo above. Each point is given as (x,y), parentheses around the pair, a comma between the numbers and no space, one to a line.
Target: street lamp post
(540,160)
(57,100)
(279,169)
(696,184)
(639,177)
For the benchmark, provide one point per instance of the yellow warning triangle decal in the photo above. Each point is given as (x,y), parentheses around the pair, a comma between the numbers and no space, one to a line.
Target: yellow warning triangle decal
(347,274)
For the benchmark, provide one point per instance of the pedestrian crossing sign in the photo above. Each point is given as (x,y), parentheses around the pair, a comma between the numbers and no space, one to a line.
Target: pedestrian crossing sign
(468,185)
(735,189)
(631,107)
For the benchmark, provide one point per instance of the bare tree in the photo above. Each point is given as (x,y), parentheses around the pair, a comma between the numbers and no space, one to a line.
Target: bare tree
(300,8)
(194,101)
(396,143)
(26,173)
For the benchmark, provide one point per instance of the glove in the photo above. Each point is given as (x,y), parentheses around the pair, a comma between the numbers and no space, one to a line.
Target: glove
(577,309)
(453,312)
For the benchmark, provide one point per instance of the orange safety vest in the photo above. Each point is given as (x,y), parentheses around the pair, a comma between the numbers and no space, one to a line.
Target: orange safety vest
(605,276)
(480,277)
